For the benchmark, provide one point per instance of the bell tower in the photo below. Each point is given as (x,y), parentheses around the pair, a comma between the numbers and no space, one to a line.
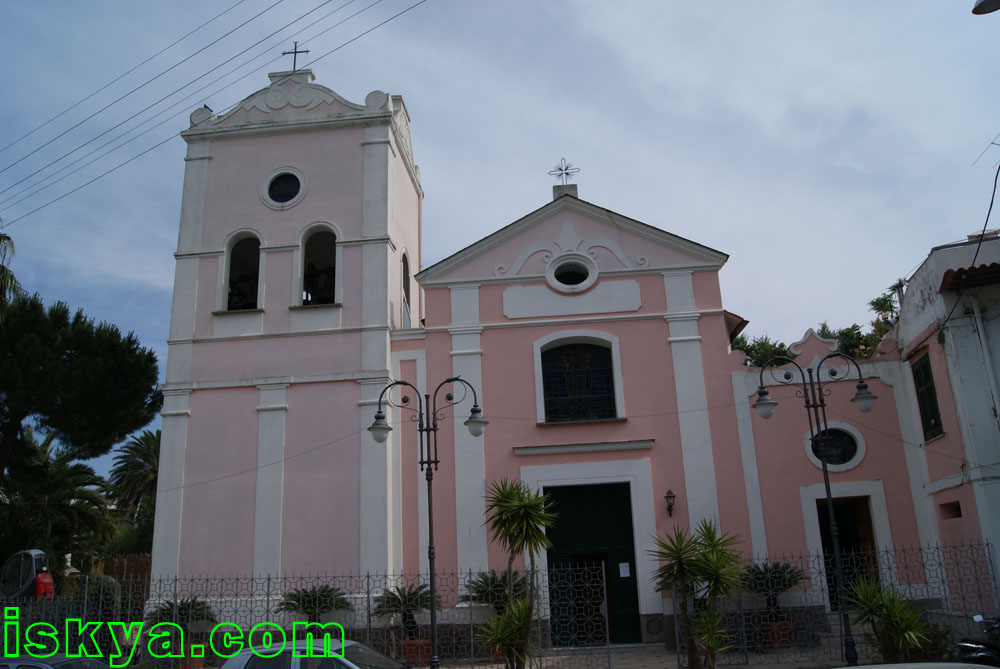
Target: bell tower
(299,240)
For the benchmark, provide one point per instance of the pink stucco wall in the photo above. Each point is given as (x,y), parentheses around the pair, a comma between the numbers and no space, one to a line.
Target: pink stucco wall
(220,465)
(320,510)
(784,466)
(331,161)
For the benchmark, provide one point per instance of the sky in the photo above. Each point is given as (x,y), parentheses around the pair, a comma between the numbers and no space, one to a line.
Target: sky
(826,147)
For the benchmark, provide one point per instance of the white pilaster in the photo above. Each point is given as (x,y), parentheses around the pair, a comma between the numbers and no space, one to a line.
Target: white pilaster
(743,386)
(396,419)
(470,460)
(692,400)
(375,459)
(170,484)
(193,197)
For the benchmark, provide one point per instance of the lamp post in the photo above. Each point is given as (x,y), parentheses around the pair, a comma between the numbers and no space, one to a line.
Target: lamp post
(427,415)
(813,393)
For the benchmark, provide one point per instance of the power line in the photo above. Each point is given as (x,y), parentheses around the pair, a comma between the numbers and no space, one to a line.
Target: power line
(181,103)
(335,49)
(116,101)
(979,244)
(120,77)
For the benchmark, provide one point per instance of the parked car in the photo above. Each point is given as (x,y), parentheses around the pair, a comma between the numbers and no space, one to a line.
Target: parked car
(58,661)
(356,656)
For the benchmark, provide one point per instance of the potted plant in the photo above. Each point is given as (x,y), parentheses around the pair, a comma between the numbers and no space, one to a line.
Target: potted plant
(772,579)
(400,605)
(492,588)
(314,602)
(504,633)
(192,615)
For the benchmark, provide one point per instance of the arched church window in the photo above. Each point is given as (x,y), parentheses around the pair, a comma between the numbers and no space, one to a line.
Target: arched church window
(319,268)
(406,291)
(578,383)
(244,272)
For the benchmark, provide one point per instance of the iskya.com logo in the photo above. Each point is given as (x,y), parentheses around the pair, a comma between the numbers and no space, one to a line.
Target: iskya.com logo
(164,640)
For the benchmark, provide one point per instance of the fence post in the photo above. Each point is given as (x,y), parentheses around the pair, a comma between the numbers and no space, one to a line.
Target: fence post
(175,616)
(267,600)
(472,635)
(368,608)
(607,614)
(86,597)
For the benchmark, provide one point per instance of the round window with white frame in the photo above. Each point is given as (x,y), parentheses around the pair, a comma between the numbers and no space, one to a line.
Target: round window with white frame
(571,273)
(842,448)
(283,187)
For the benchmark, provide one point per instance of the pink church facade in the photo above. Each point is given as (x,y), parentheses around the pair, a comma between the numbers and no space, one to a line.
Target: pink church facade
(599,345)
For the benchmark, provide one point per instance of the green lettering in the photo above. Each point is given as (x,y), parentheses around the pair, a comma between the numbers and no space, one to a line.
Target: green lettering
(130,636)
(11,622)
(232,642)
(268,639)
(77,642)
(318,639)
(34,643)
(163,638)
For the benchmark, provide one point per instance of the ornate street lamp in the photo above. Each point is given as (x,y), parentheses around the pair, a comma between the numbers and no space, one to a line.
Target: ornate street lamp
(813,393)
(985,6)
(427,416)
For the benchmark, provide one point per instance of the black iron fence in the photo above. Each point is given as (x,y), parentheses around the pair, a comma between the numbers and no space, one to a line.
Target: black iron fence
(389,613)
(787,609)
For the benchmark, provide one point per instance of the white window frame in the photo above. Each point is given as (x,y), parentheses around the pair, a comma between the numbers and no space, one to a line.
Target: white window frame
(578,337)
(222,292)
(307,232)
(850,464)
(265,186)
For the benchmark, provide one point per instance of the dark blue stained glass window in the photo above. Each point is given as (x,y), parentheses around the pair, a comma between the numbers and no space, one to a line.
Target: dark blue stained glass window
(578,383)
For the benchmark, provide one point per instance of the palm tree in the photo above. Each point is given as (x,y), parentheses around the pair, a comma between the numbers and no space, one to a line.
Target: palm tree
(133,476)
(50,502)
(314,602)
(517,517)
(707,564)
(9,287)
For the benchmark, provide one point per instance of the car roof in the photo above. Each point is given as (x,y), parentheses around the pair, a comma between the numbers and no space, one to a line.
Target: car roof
(334,643)
(53,659)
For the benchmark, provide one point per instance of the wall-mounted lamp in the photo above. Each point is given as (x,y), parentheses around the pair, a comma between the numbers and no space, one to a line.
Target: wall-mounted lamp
(670,497)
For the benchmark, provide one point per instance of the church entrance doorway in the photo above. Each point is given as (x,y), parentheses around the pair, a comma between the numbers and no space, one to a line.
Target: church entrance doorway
(856,537)
(593,536)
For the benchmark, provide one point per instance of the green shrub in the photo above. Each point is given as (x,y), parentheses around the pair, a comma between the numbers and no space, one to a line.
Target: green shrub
(314,602)
(899,628)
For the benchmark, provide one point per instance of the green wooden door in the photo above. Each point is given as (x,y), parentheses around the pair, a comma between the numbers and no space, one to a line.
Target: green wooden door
(593,534)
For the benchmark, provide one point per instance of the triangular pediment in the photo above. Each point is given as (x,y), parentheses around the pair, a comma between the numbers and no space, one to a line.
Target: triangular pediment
(291,98)
(616,244)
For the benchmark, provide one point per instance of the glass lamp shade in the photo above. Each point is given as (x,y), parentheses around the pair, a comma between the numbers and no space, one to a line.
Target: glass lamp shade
(986,6)
(380,429)
(475,421)
(864,399)
(764,405)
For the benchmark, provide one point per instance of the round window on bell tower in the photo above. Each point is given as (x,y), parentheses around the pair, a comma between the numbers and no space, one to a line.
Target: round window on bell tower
(283,188)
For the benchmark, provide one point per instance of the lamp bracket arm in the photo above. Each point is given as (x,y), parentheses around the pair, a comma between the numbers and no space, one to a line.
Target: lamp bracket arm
(449,398)
(404,401)
(778,361)
(832,372)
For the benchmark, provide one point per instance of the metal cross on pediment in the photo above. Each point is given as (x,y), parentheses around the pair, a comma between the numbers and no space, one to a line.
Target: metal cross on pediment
(295,55)
(564,171)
